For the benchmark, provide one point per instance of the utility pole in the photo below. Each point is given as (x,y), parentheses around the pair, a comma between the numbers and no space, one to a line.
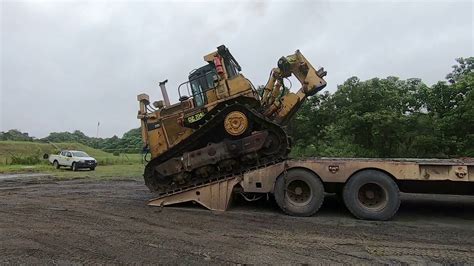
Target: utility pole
(98,124)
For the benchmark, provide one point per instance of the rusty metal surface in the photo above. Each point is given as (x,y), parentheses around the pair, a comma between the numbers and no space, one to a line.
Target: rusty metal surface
(213,153)
(262,180)
(339,170)
(216,152)
(466,161)
(214,196)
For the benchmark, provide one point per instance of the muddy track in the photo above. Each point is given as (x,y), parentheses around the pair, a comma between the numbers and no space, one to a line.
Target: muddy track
(49,221)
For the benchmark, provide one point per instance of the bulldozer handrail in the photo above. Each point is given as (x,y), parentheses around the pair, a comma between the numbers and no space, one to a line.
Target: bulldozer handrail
(190,93)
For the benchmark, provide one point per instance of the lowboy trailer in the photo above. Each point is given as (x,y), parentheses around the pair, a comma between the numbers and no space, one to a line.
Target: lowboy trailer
(370,188)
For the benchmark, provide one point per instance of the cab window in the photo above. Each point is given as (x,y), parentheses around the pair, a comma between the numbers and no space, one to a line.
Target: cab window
(231,68)
(201,81)
(198,95)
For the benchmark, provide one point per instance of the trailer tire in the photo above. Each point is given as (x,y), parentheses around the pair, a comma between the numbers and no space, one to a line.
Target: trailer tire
(299,192)
(372,195)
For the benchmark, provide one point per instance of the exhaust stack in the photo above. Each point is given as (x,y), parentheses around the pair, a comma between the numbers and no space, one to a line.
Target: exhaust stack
(164,92)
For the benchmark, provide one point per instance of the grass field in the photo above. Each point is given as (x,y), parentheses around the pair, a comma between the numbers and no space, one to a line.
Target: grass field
(8,149)
(122,166)
(133,171)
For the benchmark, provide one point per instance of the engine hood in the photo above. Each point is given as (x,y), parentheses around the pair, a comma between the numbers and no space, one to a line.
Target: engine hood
(86,158)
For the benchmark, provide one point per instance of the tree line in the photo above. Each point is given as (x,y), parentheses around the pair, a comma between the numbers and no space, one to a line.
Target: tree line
(130,142)
(387,118)
(390,118)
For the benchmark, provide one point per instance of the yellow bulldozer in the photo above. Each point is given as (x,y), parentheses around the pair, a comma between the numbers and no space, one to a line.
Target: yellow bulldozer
(222,125)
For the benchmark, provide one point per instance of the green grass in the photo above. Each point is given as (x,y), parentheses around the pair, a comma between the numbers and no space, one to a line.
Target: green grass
(109,166)
(7,169)
(8,149)
(129,171)
(132,171)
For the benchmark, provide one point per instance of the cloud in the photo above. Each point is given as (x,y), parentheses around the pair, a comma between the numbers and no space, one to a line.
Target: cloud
(67,65)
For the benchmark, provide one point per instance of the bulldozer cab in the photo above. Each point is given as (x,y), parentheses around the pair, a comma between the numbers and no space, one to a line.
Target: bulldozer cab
(207,83)
(201,80)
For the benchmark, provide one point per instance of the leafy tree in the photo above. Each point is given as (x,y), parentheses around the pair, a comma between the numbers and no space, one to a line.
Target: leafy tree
(15,135)
(390,118)
(130,142)
(465,67)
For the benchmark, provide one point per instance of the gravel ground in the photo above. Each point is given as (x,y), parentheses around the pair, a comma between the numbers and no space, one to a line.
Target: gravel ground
(43,220)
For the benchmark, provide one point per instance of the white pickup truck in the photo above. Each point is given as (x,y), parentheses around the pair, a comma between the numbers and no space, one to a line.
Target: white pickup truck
(74,159)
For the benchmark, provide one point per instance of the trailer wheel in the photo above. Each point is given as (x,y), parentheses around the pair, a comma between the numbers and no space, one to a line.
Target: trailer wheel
(299,192)
(372,195)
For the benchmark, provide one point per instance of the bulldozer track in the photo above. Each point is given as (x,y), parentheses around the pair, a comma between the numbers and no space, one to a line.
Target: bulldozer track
(212,120)
(215,179)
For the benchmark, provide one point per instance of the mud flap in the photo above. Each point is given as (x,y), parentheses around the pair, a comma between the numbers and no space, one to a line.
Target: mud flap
(214,196)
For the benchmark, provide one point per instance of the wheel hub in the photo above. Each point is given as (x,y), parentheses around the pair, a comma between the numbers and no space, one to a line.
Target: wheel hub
(372,196)
(298,192)
(369,194)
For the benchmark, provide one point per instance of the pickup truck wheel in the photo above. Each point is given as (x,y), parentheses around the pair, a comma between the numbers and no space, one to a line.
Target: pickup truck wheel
(56,164)
(92,168)
(372,195)
(299,192)
(74,166)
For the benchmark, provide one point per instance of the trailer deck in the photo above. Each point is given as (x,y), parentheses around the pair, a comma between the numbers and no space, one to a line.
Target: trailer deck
(370,187)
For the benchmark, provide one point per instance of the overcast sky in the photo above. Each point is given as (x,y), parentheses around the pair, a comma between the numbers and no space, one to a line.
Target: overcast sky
(68,65)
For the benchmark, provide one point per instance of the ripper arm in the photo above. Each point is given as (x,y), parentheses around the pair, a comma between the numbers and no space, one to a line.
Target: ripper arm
(278,102)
